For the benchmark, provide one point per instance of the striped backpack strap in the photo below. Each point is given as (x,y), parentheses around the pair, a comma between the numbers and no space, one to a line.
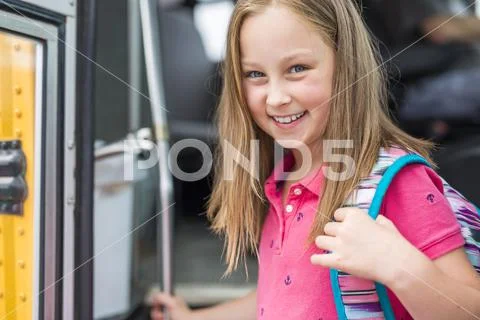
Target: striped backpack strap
(357,298)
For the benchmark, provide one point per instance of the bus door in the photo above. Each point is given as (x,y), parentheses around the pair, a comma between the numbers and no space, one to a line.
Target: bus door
(38,157)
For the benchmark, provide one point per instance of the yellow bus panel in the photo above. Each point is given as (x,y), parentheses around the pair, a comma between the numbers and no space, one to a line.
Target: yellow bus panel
(17,112)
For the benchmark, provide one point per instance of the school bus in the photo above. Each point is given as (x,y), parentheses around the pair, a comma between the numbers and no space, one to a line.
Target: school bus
(45,141)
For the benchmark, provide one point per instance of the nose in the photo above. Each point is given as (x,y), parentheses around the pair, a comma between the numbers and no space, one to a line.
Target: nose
(277,95)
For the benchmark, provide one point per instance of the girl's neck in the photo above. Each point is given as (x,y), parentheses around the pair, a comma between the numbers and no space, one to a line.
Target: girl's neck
(316,154)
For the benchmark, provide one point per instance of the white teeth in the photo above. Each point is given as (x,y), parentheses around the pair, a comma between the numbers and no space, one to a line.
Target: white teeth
(289,119)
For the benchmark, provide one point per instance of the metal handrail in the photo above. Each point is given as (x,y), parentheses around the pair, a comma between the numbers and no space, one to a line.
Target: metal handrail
(136,142)
(151,42)
(109,151)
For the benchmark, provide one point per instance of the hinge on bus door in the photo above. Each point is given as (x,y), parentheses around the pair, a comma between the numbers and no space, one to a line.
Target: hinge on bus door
(13,188)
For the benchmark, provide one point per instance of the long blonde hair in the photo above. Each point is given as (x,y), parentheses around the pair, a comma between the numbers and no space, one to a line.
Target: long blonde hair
(237,208)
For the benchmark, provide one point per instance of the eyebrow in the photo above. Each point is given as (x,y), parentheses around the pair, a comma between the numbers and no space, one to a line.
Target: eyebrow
(288,57)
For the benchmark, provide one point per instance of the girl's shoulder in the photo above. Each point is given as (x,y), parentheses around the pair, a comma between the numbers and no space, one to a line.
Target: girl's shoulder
(417,179)
(414,178)
(416,204)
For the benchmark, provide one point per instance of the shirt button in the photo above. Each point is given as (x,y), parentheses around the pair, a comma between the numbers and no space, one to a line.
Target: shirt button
(289,208)
(297,191)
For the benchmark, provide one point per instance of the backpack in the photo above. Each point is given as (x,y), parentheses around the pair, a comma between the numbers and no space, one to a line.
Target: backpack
(357,298)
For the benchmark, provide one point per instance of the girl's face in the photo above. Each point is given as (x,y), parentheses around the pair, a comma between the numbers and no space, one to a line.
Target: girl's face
(287,76)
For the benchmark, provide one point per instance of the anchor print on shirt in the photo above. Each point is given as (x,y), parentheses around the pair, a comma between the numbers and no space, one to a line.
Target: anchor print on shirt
(299,217)
(288,281)
(431,198)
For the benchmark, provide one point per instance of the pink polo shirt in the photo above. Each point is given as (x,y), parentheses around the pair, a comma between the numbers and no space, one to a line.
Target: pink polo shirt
(290,287)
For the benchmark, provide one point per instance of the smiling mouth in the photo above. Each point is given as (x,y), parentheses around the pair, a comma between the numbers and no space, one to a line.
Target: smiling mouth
(289,119)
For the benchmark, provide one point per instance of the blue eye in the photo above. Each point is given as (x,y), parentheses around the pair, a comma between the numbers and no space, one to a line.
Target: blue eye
(297,68)
(255,74)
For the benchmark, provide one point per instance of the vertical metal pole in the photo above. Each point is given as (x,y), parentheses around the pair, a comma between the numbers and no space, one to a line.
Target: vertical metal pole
(84,137)
(135,64)
(69,168)
(151,43)
(477,8)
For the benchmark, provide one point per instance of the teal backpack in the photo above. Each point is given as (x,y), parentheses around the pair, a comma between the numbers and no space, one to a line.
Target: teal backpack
(357,298)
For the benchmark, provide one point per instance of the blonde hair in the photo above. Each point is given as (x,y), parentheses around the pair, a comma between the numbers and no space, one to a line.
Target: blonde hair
(357,112)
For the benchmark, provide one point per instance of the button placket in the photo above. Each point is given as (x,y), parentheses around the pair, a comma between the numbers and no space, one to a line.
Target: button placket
(298,214)
(294,197)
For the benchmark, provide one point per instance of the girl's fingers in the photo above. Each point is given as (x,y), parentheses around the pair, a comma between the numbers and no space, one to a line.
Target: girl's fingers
(325,243)
(164,299)
(327,260)
(340,214)
(156,313)
(331,228)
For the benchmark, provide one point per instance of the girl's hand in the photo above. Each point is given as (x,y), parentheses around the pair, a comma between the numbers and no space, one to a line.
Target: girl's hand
(176,306)
(366,248)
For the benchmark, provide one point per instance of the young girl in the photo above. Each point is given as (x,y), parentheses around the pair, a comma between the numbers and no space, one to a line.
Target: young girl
(305,71)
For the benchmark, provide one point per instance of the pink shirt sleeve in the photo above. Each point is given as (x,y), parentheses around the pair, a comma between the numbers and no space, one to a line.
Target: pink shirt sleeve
(415,204)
